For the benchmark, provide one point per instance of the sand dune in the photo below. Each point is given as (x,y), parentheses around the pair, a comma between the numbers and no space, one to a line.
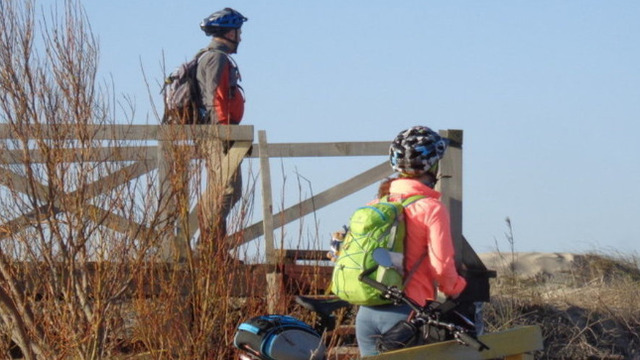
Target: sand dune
(529,264)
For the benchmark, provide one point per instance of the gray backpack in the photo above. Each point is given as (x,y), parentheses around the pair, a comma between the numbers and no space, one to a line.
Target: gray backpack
(181,93)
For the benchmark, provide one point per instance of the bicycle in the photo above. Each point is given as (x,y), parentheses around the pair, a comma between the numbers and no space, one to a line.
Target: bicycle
(430,323)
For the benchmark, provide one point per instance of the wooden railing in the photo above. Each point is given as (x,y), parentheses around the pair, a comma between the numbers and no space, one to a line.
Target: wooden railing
(143,148)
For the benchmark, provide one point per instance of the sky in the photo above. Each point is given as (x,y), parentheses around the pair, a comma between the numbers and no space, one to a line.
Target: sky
(546,92)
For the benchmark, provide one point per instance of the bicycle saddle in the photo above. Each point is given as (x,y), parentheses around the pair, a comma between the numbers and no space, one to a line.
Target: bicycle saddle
(324,307)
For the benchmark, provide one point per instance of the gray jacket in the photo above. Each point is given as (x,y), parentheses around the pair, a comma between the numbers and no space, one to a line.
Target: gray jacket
(218,78)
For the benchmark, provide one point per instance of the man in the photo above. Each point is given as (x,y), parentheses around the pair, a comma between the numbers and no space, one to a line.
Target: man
(218,74)
(223,104)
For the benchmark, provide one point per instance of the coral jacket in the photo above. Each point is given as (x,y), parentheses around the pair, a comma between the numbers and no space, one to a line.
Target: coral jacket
(428,230)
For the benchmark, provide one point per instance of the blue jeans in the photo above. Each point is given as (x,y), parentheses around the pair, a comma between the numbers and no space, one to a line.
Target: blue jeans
(373,321)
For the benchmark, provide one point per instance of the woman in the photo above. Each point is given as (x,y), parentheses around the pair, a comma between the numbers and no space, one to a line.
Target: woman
(414,156)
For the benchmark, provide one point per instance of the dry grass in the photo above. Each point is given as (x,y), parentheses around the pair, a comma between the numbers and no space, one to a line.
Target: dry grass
(590,312)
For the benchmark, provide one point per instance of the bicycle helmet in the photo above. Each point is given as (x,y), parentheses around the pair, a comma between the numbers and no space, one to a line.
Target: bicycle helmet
(416,150)
(221,21)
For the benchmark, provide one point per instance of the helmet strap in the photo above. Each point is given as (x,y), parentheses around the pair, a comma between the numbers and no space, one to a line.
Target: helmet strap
(434,169)
(234,42)
(429,179)
(431,176)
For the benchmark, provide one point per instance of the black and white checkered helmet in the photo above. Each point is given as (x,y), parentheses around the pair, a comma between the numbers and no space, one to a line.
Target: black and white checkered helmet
(416,150)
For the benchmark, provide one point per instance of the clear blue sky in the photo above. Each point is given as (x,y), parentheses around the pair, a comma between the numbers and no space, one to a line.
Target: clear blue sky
(547,93)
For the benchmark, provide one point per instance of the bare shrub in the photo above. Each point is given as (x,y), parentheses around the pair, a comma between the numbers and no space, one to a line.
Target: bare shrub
(89,260)
(69,251)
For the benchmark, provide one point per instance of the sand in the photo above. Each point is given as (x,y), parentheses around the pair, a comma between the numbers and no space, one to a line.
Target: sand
(529,264)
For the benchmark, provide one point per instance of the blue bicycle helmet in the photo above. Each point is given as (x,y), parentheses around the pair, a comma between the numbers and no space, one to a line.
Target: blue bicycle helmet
(222,21)
(416,150)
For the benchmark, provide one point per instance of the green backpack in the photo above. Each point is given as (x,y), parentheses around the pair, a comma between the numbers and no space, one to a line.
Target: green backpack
(370,227)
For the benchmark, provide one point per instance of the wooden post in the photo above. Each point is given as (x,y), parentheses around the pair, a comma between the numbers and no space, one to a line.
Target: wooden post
(168,243)
(467,261)
(274,278)
(267,201)
(450,185)
(322,199)
(172,163)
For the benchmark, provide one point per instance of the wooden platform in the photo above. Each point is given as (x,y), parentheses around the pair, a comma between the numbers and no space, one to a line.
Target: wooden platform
(513,344)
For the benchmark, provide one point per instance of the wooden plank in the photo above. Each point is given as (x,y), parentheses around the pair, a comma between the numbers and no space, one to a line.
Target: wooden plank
(117,222)
(106,184)
(107,154)
(321,200)
(110,181)
(21,184)
(128,132)
(231,161)
(15,225)
(450,185)
(100,186)
(267,199)
(171,249)
(124,153)
(294,255)
(520,357)
(325,149)
(505,343)
(93,213)
(223,132)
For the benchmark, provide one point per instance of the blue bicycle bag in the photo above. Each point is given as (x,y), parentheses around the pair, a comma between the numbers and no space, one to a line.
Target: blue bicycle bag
(279,337)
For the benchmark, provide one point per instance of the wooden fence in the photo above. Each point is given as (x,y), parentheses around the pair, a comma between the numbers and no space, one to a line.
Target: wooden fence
(141,148)
(144,149)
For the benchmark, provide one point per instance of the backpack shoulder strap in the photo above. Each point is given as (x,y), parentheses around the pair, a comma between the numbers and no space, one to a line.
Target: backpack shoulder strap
(415,267)
(201,53)
(406,202)
(231,60)
(411,199)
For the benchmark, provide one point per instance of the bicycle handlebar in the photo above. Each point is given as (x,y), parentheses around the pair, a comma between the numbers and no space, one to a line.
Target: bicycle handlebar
(389,292)
(374,284)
